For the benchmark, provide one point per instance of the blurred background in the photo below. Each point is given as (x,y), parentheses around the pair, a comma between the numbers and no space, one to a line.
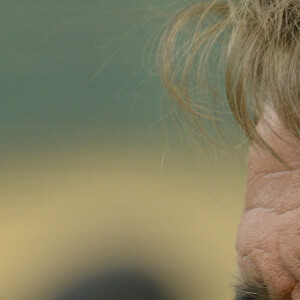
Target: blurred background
(96,177)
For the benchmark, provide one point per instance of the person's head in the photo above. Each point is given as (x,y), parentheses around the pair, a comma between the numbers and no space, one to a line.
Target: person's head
(261,49)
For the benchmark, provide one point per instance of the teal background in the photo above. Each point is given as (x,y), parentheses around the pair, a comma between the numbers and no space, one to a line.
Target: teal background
(77,70)
(82,71)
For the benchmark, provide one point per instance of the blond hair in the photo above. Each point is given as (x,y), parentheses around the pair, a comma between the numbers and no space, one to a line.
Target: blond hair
(262,60)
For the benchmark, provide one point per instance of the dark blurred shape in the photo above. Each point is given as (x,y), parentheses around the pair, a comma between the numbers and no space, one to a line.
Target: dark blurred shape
(121,284)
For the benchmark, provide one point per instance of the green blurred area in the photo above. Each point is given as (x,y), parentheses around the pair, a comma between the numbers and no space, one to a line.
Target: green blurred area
(82,70)
(72,69)
(92,165)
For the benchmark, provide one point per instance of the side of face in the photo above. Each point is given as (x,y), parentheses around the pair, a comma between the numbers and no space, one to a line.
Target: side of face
(268,240)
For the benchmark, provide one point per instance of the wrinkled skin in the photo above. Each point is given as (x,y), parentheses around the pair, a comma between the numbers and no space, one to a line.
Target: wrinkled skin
(268,241)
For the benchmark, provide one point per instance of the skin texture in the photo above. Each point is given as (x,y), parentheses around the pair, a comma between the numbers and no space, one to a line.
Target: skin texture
(268,241)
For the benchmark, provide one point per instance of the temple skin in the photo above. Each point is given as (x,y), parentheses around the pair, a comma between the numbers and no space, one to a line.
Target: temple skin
(268,240)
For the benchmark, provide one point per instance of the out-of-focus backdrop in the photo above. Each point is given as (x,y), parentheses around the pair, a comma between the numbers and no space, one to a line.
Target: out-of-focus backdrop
(95,174)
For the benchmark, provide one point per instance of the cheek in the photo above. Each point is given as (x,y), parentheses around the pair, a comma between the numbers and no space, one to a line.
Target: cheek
(268,247)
